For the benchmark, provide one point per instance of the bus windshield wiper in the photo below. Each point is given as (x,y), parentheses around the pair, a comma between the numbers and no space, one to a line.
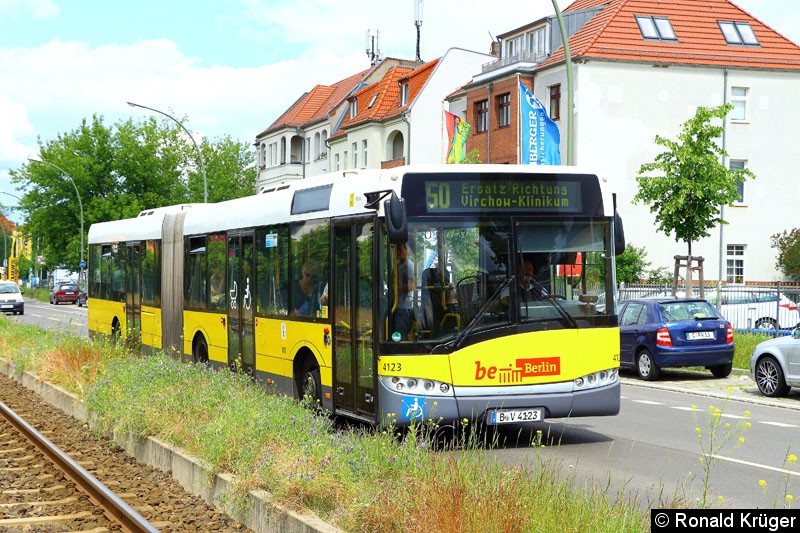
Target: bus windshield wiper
(456,342)
(554,302)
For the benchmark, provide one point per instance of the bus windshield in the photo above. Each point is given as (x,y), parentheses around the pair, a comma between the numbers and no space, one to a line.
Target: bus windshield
(484,273)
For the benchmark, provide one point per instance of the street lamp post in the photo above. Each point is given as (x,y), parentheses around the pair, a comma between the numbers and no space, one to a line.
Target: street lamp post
(197,149)
(80,203)
(570,93)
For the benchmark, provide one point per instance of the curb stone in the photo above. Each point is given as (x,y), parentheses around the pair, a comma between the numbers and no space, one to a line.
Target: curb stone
(263,515)
(738,386)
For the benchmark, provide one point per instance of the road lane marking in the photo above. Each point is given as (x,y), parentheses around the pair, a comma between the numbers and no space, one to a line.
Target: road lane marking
(780,424)
(757,465)
(648,402)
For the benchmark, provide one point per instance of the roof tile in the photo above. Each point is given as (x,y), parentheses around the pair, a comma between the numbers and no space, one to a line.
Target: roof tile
(614,34)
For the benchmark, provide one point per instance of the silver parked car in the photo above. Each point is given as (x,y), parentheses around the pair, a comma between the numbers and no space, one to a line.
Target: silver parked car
(775,365)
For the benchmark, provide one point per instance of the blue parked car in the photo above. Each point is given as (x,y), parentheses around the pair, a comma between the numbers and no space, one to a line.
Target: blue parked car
(674,332)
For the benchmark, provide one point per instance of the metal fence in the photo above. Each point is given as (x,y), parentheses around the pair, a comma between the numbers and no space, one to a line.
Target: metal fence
(766,308)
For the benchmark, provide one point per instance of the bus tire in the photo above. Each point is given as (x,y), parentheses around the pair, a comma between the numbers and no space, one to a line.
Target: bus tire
(200,350)
(310,389)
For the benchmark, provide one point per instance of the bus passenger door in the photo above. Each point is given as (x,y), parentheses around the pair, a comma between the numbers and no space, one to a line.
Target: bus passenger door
(353,323)
(241,304)
(133,290)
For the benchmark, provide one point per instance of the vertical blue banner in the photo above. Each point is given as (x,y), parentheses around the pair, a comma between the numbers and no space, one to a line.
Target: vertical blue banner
(540,138)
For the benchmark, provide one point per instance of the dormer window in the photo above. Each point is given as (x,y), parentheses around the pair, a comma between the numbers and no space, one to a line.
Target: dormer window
(403,93)
(353,108)
(658,28)
(738,33)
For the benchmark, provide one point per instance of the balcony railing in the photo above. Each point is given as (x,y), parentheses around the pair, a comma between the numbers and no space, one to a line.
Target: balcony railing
(522,57)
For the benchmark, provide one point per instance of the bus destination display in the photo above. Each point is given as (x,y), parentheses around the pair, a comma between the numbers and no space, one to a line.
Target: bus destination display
(474,196)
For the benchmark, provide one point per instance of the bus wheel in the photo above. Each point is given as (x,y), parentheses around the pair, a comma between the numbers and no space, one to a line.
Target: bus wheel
(311,390)
(200,350)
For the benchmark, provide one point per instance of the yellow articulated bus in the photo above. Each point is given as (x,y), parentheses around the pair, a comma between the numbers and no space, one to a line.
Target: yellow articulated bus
(438,292)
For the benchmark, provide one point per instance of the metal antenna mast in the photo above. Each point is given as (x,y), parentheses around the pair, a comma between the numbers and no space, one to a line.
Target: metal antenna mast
(418,23)
(373,48)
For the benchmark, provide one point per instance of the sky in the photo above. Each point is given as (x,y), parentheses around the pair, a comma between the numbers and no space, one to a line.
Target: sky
(224,67)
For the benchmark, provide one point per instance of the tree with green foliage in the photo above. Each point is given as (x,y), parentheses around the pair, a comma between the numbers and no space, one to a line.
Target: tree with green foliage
(788,246)
(120,171)
(631,264)
(687,184)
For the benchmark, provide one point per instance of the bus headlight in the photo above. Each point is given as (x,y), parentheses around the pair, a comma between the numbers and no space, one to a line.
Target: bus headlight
(597,379)
(422,387)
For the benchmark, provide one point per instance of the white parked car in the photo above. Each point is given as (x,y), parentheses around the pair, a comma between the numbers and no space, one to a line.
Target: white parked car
(775,365)
(757,309)
(11,300)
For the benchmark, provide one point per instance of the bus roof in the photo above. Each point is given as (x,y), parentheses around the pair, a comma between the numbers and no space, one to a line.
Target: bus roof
(273,204)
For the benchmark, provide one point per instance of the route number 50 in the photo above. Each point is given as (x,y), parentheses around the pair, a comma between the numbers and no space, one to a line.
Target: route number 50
(437,194)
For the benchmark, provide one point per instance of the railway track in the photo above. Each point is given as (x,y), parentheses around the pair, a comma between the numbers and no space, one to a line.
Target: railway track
(37,495)
(52,489)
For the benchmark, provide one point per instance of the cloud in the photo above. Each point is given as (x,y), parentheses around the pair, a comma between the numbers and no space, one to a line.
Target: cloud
(16,9)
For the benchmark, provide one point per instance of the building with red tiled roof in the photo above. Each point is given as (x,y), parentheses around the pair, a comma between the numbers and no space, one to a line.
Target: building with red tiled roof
(641,68)
(295,145)
(387,116)
(400,120)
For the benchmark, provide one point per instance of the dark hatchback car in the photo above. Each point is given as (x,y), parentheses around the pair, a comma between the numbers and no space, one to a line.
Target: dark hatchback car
(674,332)
(64,292)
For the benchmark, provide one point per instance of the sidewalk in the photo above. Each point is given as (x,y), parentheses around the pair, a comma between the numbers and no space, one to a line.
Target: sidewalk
(738,386)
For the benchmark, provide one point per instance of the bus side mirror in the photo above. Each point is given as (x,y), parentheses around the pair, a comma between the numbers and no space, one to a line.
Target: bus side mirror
(619,234)
(396,222)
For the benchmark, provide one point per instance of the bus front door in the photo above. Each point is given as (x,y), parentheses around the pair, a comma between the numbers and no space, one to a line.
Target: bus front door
(352,299)
(133,290)
(241,304)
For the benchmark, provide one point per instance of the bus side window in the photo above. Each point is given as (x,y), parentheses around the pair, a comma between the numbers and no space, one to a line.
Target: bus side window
(272,264)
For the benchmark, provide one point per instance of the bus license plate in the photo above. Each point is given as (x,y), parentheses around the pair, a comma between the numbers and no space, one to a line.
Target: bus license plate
(515,416)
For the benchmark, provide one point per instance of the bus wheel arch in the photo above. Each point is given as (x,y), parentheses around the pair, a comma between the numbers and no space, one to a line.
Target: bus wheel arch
(307,377)
(199,349)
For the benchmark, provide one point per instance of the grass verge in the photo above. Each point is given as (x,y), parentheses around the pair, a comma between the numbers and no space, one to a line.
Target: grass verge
(359,479)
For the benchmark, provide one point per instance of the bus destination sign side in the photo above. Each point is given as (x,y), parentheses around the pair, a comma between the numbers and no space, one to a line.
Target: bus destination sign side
(475,196)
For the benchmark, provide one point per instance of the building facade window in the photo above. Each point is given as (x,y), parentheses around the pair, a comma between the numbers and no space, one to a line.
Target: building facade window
(537,42)
(736,164)
(404,94)
(504,110)
(555,102)
(739,96)
(355,155)
(656,28)
(262,155)
(512,48)
(482,116)
(336,163)
(364,152)
(734,271)
(738,33)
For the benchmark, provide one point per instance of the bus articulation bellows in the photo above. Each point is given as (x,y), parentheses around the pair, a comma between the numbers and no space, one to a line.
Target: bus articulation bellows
(439,292)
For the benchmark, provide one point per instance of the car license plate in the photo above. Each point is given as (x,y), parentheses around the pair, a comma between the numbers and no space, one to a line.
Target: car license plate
(7,306)
(515,416)
(695,335)
(69,293)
